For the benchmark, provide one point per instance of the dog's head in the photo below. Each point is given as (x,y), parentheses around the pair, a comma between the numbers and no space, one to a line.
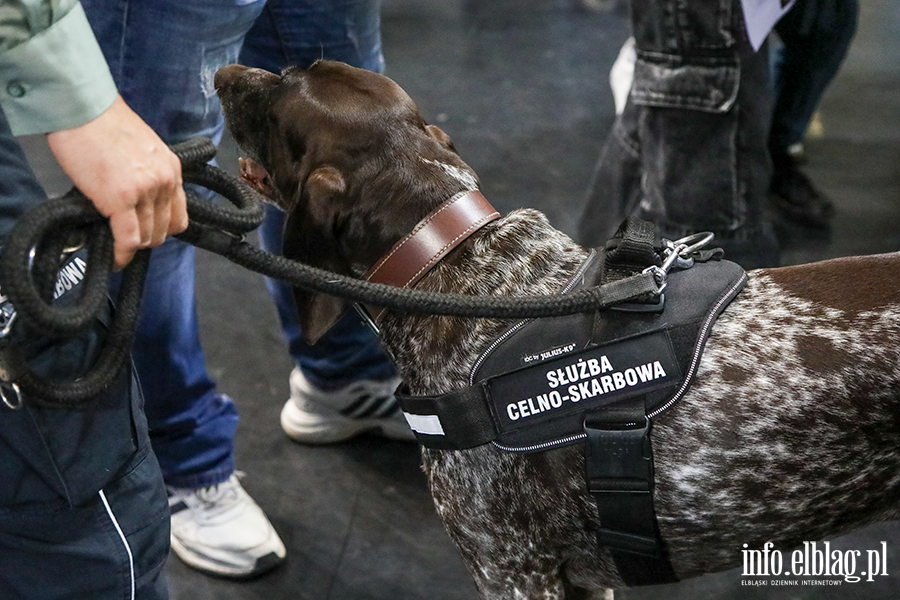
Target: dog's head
(346,154)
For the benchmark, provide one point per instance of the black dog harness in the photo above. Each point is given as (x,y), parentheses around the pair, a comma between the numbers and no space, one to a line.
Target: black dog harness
(595,379)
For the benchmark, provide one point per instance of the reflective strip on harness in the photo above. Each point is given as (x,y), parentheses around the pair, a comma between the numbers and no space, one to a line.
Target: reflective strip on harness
(425,424)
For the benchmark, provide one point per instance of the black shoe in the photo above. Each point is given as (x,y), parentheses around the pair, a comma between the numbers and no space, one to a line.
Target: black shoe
(795,197)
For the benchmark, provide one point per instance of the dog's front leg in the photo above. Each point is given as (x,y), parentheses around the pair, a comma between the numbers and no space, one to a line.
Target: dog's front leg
(521,522)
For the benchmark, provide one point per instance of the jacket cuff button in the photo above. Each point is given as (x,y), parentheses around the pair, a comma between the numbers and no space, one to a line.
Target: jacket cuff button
(15,88)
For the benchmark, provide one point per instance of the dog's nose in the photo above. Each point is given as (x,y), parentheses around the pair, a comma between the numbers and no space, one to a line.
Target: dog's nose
(227,74)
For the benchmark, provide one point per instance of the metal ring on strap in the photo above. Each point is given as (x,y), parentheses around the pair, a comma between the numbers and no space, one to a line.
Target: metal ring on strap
(15,404)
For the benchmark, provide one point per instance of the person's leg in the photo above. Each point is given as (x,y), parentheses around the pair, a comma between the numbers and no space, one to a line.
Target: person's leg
(105,546)
(700,123)
(83,511)
(348,364)
(159,53)
(192,425)
(163,55)
(299,32)
(615,187)
(702,96)
(815,36)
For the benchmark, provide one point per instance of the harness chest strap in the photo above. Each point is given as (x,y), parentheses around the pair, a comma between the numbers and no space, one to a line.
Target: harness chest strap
(619,474)
(432,239)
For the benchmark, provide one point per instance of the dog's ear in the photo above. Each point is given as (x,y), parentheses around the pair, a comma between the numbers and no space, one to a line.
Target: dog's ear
(442,138)
(306,238)
(322,186)
(318,313)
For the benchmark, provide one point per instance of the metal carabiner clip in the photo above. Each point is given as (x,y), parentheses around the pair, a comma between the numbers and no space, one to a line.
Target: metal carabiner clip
(660,273)
(7,318)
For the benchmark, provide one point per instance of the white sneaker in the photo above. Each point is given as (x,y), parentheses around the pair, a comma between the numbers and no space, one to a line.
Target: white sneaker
(313,416)
(221,530)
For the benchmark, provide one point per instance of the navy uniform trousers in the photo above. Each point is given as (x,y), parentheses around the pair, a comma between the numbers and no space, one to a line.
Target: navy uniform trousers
(83,509)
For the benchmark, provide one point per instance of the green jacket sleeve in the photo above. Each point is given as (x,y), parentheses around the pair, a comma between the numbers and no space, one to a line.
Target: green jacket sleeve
(52,73)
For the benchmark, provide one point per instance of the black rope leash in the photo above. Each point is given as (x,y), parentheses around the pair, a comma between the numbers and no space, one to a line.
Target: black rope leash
(33,254)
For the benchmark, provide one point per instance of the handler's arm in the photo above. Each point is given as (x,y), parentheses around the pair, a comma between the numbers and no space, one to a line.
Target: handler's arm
(54,80)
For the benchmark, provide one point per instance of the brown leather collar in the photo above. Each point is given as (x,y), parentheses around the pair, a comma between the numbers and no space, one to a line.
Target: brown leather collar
(432,238)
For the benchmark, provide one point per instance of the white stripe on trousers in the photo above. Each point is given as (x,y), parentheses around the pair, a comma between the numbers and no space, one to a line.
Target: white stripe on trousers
(112,517)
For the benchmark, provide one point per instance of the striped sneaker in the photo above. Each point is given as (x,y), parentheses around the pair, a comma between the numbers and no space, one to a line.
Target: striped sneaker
(220,530)
(314,416)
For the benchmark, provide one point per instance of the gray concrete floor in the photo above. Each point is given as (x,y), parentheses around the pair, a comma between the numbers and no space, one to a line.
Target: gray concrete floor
(522,89)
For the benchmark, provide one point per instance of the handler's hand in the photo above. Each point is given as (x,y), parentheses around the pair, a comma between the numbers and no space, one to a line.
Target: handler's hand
(129,174)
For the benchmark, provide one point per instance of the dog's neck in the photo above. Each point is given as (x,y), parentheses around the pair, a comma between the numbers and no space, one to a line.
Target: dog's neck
(434,237)
(463,176)
(519,254)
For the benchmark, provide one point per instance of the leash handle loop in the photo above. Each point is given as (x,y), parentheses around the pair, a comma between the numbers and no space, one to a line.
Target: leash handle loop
(32,257)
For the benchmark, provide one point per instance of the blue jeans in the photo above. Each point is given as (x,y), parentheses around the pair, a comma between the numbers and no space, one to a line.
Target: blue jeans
(815,36)
(163,55)
(298,32)
(689,151)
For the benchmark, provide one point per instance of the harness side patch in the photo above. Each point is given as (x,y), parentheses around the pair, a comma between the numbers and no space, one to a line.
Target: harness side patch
(597,377)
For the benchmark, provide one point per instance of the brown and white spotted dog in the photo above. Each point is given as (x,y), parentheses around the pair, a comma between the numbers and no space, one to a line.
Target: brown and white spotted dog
(790,432)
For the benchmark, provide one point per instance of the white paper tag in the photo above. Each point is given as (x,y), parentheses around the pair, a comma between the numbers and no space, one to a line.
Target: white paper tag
(761,16)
